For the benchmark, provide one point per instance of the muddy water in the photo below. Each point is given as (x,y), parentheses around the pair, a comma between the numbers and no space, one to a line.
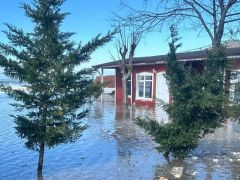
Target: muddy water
(113,147)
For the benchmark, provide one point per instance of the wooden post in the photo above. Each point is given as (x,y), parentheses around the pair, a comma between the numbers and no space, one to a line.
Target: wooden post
(102,80)
(132,100)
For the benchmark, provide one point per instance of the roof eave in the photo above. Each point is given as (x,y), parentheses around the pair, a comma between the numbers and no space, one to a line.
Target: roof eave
(103,66)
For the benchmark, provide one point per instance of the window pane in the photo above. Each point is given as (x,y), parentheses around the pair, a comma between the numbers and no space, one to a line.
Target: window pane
(140,77)
(129,87)
(237,92)
(148,77)
(148,89)
(140,89)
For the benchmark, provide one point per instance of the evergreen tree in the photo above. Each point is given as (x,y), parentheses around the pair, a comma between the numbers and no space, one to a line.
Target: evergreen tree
(197,106)
(48,62)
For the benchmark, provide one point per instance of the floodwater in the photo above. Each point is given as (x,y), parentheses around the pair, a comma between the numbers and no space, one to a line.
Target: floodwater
(113,147)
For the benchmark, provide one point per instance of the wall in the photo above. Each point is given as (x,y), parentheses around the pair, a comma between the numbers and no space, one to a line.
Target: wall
(119,91)
(236,65)
(152,69)
(109,80)
(138,69)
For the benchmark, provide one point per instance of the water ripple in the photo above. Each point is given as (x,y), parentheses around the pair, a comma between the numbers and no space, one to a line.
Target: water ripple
(113,147)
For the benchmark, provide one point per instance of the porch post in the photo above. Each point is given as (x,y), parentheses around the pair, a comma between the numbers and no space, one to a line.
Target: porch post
(102,71)
(132,100)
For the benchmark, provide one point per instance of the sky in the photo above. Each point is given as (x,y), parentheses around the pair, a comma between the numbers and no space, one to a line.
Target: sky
(90,17)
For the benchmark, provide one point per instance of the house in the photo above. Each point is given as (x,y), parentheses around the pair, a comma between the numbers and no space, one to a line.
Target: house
(109,82)
(147,82)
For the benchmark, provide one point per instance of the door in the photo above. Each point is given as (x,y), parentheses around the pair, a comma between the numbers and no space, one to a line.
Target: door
(162,91)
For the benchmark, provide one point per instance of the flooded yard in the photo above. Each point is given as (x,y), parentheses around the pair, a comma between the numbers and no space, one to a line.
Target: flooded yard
(113,147)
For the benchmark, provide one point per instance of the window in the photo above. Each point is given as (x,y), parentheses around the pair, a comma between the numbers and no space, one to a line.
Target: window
(129,86)
(237,92)
(235,87)
(144,85)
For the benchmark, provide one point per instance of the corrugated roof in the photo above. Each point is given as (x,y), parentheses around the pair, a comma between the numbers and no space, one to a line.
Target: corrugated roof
(232,53)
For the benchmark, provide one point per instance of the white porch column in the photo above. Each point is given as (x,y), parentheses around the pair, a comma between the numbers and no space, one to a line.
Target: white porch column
(102,80)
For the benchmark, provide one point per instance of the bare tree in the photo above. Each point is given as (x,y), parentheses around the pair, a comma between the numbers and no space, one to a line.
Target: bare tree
(211,16)
(126,43)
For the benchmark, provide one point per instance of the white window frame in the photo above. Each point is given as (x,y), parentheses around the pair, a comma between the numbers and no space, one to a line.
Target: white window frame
(232,86)
(137,85)
(130,96)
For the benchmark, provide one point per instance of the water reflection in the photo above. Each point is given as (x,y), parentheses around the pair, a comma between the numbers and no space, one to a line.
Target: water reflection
(216,157)
(213,159)
(166,170)
(114,147)
(201,169)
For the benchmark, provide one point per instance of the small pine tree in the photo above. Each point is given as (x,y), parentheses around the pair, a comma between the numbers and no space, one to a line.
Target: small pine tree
(197,106)
(48,62)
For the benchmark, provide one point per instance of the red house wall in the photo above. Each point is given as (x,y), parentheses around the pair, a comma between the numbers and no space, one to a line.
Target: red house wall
(236,65)
(152,69)
(109,80)
(138,69)
(118,90)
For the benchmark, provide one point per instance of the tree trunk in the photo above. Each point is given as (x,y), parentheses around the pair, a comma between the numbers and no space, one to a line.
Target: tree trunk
(227,86)
(124,84)
(40,162)
(166,156)
(216,43)
(227,81)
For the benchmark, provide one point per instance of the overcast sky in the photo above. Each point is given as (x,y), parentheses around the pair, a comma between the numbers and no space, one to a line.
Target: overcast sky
(91,17)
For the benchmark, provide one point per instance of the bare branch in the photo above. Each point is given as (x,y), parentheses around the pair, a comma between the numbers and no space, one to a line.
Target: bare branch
(196,14)
(201,19)
(233,14)
(232,20)
(214,18)
(221,4)
(202,6)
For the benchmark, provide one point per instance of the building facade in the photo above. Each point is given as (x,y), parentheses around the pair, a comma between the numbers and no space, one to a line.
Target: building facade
(147,83)
(109,82)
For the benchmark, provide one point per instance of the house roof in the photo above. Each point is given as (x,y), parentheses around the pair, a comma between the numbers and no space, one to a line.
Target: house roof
(231,53)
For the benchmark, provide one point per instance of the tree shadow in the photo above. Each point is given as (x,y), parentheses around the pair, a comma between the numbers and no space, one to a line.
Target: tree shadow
(166,171)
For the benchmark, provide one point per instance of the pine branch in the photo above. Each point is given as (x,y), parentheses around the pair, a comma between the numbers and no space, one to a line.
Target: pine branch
(84,52)
(17,37)
(12,68)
